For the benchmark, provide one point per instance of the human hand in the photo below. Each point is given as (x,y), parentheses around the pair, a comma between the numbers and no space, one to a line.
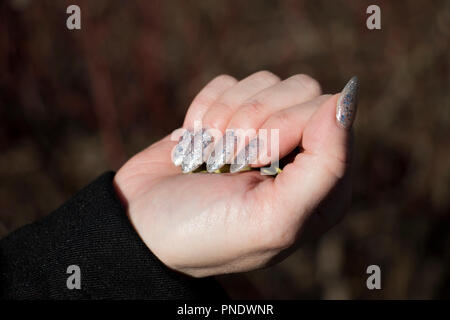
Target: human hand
(205,224)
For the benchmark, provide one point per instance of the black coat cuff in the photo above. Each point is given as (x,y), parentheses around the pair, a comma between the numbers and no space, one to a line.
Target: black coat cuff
(91,231)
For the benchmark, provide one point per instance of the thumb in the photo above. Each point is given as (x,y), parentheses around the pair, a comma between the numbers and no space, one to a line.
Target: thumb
(326,144)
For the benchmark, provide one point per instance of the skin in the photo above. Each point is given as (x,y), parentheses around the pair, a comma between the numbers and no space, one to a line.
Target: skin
(208,224)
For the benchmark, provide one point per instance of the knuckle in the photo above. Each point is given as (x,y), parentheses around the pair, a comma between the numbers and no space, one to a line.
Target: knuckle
(266,77)
(336,165)
(282,118)
(214,122)
(253,107)
(224,79)
(203,99)
(307,82)
(221,107)
(219,112)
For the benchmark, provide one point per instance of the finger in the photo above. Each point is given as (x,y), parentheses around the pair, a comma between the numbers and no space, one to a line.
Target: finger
(294,90)
(324,161)
(220,113)
(191,151)
(254,111)
(206,97)
(289,124)
(202,102)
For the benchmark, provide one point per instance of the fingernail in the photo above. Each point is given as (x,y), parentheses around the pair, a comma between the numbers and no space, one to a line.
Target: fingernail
(182,148)
(190,162)
(194,158)
(246,156)
(219,158)
(207,144)
(346,104)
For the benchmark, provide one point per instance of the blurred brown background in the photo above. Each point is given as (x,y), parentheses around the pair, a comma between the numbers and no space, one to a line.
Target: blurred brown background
(76,103)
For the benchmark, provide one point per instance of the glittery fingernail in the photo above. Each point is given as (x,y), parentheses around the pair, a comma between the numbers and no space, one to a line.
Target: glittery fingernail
(207,144)
(194,157)
(218,159)
(182,148)
(246,156)
(346,104)
(189,163)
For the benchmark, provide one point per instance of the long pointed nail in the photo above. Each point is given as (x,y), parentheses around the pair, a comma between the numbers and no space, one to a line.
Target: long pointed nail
(194,158)
(246,156)
(190,163)
(347,103)
(182,148)
(219,157)
(207,144)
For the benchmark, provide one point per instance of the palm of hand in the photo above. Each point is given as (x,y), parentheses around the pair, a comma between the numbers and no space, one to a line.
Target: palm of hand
(203,224)
(177,212)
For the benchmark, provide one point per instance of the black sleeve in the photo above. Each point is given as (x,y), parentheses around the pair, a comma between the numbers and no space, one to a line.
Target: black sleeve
(92,232)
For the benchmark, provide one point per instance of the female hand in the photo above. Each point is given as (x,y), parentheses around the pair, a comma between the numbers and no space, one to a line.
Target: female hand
(205,224)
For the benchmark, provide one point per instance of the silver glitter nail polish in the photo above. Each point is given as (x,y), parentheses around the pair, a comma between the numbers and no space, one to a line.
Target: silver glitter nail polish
(207,144)
(194,157)
(246,156)
(189,162)
(219,158)
(182,148)
(346,104)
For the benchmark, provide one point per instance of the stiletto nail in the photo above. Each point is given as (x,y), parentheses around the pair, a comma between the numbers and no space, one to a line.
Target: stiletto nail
(219,158)
(346,104)
(194,158)
(207,144)
(246,156)
(189,162)
(182,148)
